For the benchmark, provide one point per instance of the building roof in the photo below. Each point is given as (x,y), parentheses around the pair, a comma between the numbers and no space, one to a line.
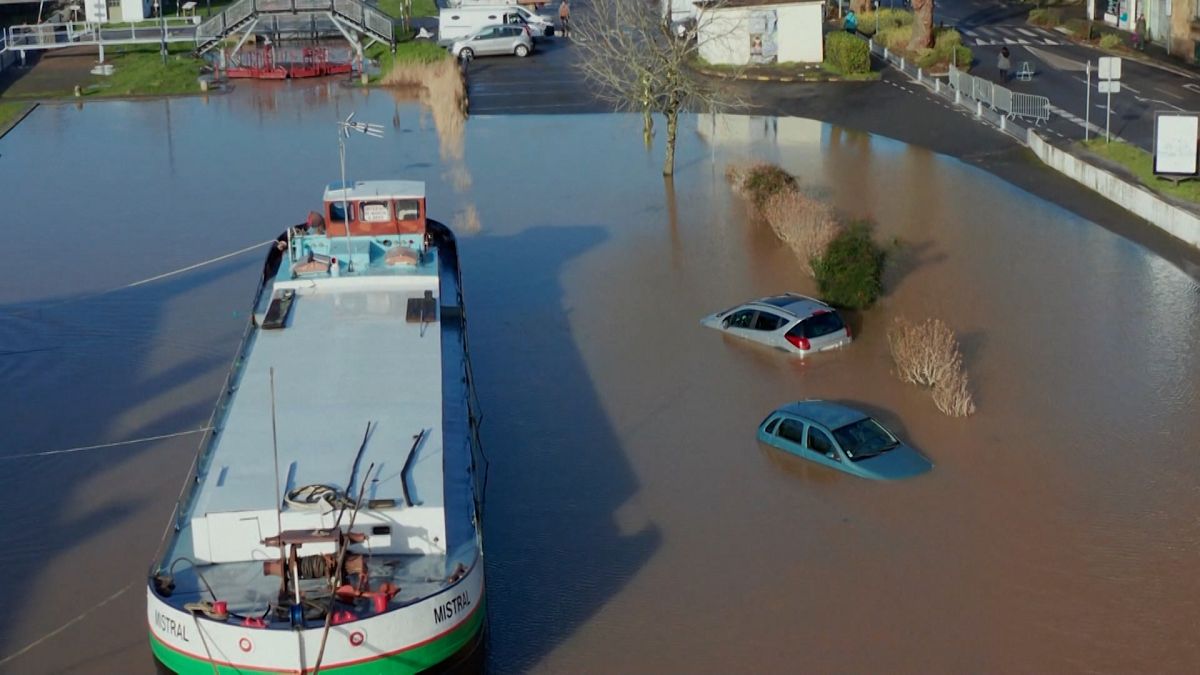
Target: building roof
(376,188)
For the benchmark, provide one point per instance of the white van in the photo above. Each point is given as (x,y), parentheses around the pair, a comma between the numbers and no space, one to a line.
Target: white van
(456,22)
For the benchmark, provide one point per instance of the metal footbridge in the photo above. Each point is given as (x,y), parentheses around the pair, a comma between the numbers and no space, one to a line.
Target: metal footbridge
(351,18)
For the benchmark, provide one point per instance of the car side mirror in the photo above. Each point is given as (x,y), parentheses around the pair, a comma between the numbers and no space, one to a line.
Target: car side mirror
(725,322)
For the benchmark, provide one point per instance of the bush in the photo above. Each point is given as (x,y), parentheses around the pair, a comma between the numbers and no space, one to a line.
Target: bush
(847,53)
(805,224)
(927,354)
(1109,41)
(888,18)
(1045,17)
(895,38)
(849,273)
(760,182)
(1080,28)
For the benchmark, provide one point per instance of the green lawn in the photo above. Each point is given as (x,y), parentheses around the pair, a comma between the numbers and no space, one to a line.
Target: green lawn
(1141,164)
(419,7)
(10,110)
(140,72)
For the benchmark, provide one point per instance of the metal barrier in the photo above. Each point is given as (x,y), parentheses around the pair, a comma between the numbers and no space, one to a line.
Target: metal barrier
(1028,105)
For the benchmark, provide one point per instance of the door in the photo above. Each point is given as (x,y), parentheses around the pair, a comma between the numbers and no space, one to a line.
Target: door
(487,41)
(791,436)
(740,323)
(819,447)
(766,329)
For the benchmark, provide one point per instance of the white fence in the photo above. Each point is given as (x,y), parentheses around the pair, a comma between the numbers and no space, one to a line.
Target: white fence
(997,104)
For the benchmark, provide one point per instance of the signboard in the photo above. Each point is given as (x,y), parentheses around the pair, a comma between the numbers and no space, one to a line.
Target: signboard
(1110,67)
(1110,87)
(1175,139)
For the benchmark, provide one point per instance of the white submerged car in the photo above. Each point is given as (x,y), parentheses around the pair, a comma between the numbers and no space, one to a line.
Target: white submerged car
(791,322)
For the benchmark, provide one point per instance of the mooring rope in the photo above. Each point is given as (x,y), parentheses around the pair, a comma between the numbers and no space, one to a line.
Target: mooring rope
(79,617)
(135,284)
(98,446)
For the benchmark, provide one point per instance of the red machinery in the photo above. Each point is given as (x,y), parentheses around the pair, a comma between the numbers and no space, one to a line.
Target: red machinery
(271,64)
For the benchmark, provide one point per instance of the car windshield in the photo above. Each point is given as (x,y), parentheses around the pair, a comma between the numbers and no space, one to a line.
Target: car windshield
(864,438)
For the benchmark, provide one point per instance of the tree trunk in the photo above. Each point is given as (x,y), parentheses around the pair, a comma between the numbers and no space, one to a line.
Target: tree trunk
(860,6)
(922,31)
(647,127)
(672,116)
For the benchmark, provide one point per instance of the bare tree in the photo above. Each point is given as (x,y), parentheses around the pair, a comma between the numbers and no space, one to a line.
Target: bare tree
(922,26)
(639,61)
(860,6)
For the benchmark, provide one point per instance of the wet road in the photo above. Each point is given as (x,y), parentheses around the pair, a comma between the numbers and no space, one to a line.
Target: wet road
(632,521)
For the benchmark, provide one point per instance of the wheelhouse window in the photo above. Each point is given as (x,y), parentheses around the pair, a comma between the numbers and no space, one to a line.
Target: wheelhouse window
(408,209)
(792,430)
(337,212)
(375,211)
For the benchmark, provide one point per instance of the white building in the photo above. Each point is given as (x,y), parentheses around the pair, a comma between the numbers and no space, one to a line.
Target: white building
(740,32)
(111,11)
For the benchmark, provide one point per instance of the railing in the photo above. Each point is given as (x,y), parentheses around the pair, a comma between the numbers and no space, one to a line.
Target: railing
(357,12)
(52,35)
(989,100)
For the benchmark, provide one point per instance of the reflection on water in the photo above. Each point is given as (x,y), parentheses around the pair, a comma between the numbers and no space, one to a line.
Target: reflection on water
(633,522)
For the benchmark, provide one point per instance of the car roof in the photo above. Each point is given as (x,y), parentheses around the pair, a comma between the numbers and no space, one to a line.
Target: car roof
(827,414)
(799,306)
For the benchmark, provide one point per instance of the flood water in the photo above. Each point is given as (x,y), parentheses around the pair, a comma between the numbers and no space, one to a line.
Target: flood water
(633,524)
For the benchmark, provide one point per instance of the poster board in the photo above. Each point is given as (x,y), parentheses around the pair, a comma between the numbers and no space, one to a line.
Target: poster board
(1175,143)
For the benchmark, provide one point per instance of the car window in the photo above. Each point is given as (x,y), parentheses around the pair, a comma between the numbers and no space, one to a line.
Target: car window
(742,319)
(768,321)
(771,427)
(819,441)
(792,430)
(864,438)
(822,324)
(485,34)
(514,31)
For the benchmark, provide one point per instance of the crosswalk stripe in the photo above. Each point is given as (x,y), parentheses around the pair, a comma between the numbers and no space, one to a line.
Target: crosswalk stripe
(1028,33)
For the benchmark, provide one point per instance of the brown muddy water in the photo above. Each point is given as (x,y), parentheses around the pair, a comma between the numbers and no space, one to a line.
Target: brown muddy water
(633,524)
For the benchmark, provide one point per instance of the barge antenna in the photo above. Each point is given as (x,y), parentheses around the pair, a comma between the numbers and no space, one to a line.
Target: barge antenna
(344,129)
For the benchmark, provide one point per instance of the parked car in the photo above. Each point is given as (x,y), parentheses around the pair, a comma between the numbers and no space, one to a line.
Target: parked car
(794,323)
(843,439)
(491,40)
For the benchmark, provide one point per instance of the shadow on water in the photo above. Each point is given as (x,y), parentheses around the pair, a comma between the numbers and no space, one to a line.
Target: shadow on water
(109,368)
(558,472)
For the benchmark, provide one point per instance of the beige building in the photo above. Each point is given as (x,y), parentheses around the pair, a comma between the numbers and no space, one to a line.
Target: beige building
(1173,24)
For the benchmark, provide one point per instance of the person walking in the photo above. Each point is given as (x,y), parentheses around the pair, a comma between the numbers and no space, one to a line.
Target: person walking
(1139,33)
(564,18)
(850,23)
(1003,63)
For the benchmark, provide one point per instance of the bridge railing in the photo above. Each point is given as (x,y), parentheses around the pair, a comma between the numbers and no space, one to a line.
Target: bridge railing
(358,12)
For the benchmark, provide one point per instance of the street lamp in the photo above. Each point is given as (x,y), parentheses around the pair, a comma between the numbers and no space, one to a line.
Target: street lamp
(162,19)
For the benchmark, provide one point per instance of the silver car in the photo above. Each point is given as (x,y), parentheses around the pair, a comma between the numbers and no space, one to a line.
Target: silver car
(497,39)
(794,323)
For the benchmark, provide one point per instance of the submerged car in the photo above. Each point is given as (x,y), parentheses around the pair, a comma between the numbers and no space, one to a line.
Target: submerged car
(791,322)
(841,438)
(497,39)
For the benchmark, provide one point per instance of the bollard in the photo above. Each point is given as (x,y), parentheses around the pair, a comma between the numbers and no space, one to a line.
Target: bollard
(870,45)
(918,75)
(957,96)
(901,63)
(885,54)
(364,78)
(203,84)
(979,108)
(937,85)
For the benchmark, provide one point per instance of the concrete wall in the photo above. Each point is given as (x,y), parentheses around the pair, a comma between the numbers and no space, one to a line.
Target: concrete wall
(724,34)
(1179,222)
(1183,41)
(131,10)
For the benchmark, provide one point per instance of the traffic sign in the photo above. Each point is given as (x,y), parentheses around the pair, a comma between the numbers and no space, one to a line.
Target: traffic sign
(1110,86)
(1110,68)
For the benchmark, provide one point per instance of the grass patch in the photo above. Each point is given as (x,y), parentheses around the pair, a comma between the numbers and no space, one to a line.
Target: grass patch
(419,7)
(1141,164)
(1045,17)
(9,111)
(139,71)
(410,52)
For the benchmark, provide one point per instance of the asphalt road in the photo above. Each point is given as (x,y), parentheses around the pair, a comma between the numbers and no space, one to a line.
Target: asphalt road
(545,82)
(1060,67)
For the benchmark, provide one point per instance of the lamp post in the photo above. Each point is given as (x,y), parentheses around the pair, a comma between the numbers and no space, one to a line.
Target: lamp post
(162,20)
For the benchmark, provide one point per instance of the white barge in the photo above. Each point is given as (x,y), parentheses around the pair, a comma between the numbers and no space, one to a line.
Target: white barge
(332,523)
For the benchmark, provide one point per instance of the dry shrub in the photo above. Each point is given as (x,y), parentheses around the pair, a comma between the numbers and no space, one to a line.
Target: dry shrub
(805,224)
(759,182)
(953,397)
(927,354)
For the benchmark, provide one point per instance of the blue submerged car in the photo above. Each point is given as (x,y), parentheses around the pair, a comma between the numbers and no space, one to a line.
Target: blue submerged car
(841,438)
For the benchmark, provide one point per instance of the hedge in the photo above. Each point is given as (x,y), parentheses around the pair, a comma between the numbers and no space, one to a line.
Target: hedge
(847,53)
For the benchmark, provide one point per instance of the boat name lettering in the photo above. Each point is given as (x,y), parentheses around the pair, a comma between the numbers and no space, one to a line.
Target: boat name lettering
(452,607)
(171,627)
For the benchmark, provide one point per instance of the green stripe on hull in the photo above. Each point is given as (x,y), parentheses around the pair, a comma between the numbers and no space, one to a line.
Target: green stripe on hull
(412,660)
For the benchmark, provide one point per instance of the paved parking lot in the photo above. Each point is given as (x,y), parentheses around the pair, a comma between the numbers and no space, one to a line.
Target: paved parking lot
(545,82)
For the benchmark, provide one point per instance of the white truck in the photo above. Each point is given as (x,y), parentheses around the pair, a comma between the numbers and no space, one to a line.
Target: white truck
(457,22)
(681,14)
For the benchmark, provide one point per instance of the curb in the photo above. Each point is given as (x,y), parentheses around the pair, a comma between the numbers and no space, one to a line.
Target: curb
(770,78)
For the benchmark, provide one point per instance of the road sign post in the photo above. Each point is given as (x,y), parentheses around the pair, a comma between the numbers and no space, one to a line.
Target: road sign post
(1110,83)
(1087,107)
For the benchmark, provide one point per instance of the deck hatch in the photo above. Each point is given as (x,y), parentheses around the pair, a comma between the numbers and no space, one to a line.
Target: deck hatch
(422,310)
(277,312)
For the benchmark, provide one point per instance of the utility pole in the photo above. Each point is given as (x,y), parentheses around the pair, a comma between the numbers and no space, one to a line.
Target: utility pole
(162,18)
(1087,109)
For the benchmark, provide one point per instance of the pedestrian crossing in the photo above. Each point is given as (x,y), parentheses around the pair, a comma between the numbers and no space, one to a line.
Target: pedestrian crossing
(986,36)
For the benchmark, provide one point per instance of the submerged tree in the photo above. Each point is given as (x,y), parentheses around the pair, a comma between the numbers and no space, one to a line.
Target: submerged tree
(640,61)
